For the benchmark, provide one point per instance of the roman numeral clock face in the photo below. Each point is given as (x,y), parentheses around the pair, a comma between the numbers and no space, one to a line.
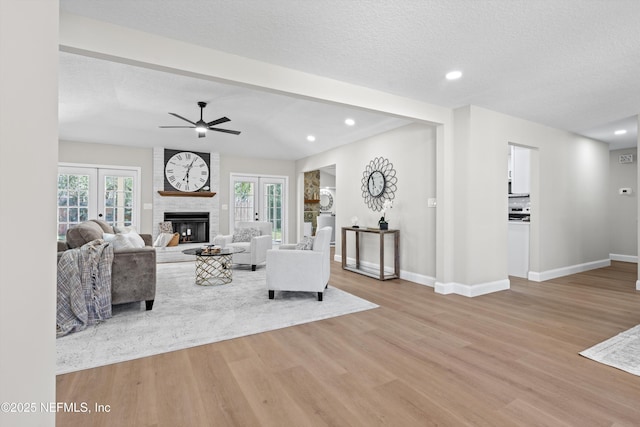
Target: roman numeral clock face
(186,171)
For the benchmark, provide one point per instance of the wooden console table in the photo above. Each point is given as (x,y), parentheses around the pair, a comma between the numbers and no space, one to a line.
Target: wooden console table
(357,268)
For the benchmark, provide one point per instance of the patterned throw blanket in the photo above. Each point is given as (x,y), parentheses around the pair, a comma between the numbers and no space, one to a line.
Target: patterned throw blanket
(84,287)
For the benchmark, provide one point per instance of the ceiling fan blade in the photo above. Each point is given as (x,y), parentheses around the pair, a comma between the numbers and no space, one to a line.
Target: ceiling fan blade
(180,117)
(181,127)
(235,132)
(217,122)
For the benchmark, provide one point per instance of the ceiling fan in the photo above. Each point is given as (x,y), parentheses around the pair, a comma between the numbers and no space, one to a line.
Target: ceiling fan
(201,126)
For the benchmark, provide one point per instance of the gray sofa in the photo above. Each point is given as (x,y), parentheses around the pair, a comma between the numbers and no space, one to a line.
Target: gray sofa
(133,272)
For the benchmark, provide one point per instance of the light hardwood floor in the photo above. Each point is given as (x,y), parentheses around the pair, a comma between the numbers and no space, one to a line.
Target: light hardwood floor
(504,359)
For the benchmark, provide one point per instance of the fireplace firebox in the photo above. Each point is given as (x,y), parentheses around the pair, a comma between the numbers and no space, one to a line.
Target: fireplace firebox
(193,227)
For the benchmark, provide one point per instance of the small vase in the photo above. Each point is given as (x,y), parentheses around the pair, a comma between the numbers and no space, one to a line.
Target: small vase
(383,225)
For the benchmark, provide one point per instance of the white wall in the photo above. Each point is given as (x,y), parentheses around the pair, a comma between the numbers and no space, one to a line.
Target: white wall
(116,155)
(29,88)
(623,209)
(412,150)
(570,181)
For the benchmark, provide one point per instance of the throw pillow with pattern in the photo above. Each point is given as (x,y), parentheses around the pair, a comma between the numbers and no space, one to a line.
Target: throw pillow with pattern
(165,227)
(245,234)
(306,244)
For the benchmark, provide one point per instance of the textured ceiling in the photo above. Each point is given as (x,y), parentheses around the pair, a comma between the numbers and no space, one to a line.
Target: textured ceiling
(114,103)
(570,64)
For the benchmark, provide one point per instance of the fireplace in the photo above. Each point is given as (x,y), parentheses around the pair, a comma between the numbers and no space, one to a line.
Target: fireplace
(193,227)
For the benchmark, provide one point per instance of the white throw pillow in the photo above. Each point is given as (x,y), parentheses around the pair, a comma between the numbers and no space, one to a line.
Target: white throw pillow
(163,240)
(124,230)
(127,240)
(108,237)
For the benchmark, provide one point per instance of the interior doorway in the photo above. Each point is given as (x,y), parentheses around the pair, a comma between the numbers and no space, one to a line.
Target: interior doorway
(520,212)
(320,201)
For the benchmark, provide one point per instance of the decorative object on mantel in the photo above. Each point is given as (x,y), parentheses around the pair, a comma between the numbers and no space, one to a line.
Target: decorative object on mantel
(378,183)
(186,194)
(383,224)
(354,222)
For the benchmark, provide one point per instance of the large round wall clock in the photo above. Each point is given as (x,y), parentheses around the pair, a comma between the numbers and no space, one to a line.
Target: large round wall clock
(378,183)
(186,170)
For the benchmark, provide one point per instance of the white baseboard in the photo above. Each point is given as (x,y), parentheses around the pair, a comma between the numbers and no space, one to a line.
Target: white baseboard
(568,270)
(420,279)
(472,290)
(624,258)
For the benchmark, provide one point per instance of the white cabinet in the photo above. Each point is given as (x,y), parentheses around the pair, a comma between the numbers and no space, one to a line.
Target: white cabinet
(520,170)
(328,221)
(518,249)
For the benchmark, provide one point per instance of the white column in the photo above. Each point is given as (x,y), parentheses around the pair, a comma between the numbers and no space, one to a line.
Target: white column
(28,171)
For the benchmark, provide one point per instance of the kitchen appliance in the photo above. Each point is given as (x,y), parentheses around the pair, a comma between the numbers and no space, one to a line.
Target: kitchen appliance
(519,207)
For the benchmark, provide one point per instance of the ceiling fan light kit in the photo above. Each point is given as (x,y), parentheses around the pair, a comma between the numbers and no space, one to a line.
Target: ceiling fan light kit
(201,126)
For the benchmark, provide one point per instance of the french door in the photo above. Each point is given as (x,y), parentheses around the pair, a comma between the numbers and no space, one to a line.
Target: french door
(260,198)
(110,194)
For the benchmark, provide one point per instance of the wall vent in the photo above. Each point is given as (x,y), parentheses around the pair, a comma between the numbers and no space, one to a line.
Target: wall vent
(625,158)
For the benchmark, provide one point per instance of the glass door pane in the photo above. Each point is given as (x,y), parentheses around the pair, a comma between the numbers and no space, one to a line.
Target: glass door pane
(76,198)
(117,195)
(244,200)
(273,203)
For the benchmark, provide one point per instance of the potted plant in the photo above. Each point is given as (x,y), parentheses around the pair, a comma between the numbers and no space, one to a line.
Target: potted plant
(383,224)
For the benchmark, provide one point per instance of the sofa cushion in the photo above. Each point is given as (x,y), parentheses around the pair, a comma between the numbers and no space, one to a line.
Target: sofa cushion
(83,233)
(241,245)
(245,234)
(106,227)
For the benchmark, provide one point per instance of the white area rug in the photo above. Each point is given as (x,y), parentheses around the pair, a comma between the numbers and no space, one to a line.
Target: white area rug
(621,351)
(187,315)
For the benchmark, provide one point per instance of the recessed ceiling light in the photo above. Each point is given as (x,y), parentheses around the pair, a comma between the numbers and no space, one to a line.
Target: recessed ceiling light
(620,132)
(349,122)
(311,138)
(454,75)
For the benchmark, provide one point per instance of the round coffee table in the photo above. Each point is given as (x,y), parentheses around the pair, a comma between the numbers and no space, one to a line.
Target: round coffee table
(213,267)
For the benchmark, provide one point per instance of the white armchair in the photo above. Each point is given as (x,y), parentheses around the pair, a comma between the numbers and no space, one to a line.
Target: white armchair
(300,270)
(255,247)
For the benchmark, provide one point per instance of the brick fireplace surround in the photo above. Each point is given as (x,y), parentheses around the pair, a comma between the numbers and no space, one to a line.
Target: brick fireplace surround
(162,204)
